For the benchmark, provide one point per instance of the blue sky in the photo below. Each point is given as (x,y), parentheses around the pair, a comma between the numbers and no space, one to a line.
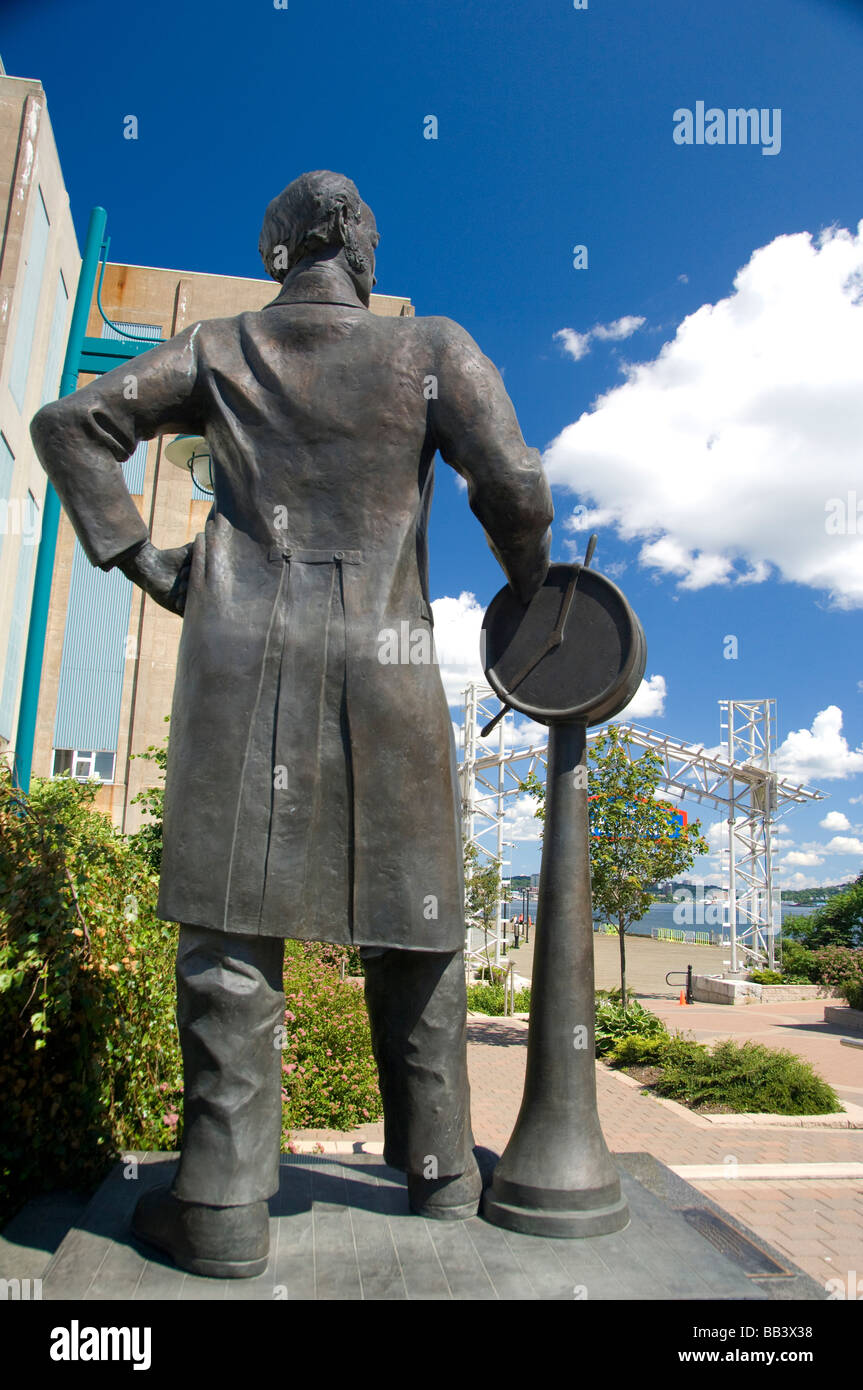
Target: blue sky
(708,473)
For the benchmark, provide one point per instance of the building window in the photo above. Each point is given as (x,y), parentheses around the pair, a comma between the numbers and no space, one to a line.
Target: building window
(82,764)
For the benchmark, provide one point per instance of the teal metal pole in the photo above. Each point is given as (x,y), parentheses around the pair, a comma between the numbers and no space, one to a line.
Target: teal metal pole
(23,762)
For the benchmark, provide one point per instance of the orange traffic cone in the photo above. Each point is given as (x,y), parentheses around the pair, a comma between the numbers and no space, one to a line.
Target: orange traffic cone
(682,999)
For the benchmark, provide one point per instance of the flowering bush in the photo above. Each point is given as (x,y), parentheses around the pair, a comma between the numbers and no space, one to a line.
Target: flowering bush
(837,964)
(328,1068)
(89,1058)
(90,1064)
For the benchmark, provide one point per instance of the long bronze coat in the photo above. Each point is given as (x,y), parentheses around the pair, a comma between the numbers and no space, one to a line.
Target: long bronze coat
(311,786)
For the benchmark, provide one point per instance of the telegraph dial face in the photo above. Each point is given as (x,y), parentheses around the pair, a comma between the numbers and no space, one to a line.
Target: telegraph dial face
(576,653)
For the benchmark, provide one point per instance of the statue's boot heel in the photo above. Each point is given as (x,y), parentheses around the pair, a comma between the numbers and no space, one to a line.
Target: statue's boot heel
(217,1242)
(446,1199)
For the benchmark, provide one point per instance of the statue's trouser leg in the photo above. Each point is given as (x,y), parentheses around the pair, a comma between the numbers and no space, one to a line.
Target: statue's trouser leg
(417,1006)
(229,1006)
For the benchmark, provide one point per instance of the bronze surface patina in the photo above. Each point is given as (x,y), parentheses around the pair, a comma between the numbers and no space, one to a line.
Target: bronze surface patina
(323,444)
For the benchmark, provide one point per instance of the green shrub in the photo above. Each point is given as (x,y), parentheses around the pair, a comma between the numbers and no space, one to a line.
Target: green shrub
(767,977)
(799,964)
(658,1050)
(330,1080)
(829,965)
(837,964)
(490,999)
(90,1063)
(613,1022)
(853,992)
(683,1051)
(747,1077)
(491,974)
(638,1051)
(148,838)
(839,922)
(89,1057)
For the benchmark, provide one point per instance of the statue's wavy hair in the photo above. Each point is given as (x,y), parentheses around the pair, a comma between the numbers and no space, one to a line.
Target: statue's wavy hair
(307,216)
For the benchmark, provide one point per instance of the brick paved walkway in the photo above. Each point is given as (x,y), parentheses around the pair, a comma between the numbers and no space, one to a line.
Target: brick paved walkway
(647,962)
(818,1224)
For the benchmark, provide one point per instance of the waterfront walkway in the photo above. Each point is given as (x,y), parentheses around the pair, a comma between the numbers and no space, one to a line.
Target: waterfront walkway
(799,1188)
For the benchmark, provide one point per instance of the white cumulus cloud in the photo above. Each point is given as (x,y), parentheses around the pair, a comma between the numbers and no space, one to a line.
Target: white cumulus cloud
(577,345)
(457,624)
(835,820)
(784,879)
(731,455)
(819,754)
(802,858)
(844,844)
(520,823)
(648,700)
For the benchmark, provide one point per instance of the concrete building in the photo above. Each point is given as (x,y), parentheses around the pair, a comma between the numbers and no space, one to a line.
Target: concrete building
(39,265)
(111,653)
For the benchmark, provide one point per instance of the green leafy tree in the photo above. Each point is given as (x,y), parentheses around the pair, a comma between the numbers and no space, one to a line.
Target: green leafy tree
(482,891)
(838,923)
(634,841)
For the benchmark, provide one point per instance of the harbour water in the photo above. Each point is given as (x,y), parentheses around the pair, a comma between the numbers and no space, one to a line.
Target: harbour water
(671,917)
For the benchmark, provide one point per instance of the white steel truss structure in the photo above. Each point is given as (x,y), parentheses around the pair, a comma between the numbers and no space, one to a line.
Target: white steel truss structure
(738,778)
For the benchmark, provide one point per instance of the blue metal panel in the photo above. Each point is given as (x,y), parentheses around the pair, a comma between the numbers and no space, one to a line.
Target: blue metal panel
(135,467)
(99,355)
(146,332)
(93,664)
(30,295)
(18,624)
(56,342)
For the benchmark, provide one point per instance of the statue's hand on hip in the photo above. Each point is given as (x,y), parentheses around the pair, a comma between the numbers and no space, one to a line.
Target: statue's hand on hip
(163,574)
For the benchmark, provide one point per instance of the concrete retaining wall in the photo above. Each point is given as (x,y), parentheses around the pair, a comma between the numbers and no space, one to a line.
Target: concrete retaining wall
(713,989)
(769,993)
(849,1019)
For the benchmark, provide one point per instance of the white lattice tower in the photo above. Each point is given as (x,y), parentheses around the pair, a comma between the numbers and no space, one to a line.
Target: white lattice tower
(740,781)
(747,729)
(488,779)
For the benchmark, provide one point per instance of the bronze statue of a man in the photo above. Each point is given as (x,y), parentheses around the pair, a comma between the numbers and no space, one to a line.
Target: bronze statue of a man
(311,786)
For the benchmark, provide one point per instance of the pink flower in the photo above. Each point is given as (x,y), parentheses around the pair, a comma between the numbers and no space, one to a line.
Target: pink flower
(171,1119)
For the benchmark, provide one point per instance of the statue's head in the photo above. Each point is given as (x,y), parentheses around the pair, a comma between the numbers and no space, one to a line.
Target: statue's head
(316,217)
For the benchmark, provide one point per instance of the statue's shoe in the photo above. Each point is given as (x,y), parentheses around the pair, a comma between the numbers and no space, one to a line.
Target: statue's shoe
(218,1242)
(446,1199)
